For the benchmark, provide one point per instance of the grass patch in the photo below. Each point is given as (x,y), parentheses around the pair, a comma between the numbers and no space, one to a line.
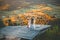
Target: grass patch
(51,34)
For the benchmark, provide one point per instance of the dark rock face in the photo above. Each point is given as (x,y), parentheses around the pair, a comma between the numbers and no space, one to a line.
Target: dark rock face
(55,22)
(54,2)
(1,24)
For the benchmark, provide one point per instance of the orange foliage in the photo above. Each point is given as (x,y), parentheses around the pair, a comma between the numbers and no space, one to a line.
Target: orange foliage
(41,17)
(4,7)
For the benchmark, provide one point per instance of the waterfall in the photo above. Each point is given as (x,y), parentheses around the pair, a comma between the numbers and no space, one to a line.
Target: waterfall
(31,23)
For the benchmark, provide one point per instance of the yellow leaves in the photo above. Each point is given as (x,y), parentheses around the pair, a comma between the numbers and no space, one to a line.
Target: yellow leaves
(41,5)
(4,7)
(40,8)
(18,7)
(20,15)
(5,21)
(13,19)
(39,12)
(46,8)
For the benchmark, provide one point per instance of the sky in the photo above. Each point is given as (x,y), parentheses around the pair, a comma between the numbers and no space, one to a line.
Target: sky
(16,4)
